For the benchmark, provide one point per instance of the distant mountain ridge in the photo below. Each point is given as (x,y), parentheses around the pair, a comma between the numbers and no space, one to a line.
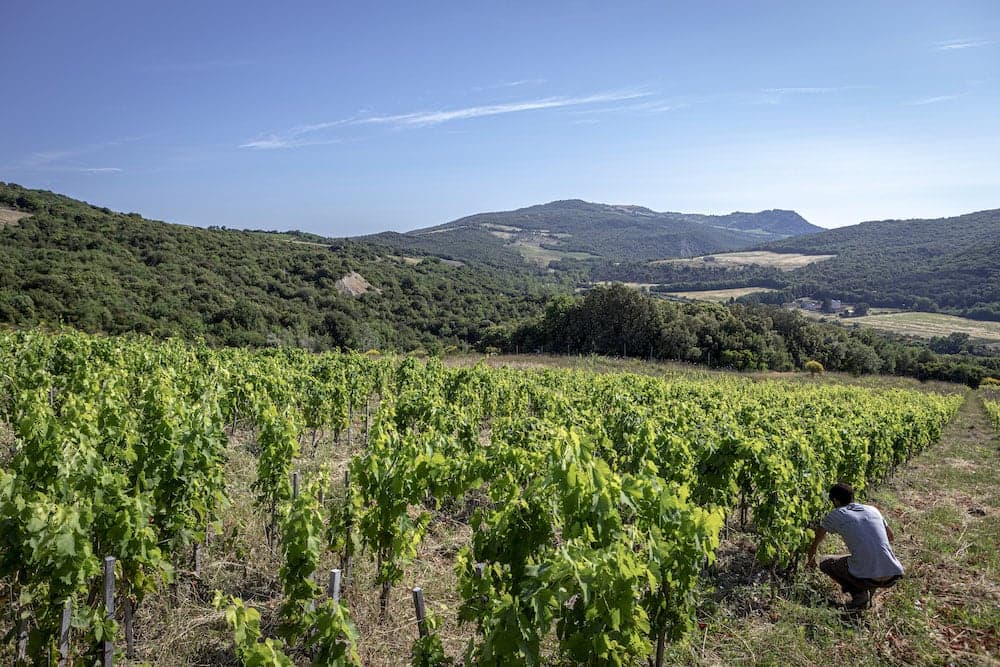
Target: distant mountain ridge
(576,229)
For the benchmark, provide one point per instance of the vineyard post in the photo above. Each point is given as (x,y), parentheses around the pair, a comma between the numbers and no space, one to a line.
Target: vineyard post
(345,561)
(334,589)
(661,632)
(22,641)
(383,598)
(368,416)
(129,628)
(64,630)
(418,607)
(350,422)
(108,644)
(197,559)
(295,485)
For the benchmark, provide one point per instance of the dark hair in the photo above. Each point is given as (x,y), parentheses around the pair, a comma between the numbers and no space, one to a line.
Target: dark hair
(842,493)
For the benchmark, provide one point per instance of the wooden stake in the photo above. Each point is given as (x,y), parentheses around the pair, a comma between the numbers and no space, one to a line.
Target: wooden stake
(197,559)
(22,641)
(108,645)
(383,600)
(64,633)
(129,629)
(334,589)
(418,607)
(295,485)
(345,560)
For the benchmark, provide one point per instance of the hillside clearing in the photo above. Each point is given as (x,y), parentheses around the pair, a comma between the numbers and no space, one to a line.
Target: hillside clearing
(719,294)
(354,284)
(928,325)
(785,261)
(9,216)
(534,253)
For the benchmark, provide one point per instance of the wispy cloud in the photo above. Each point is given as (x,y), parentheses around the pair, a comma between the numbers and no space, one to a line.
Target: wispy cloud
(100,170)
(958,44)
(932,100)
(304,135)
(647,107)
(777,95)
(811,90)
(70,160)
(425,118)
(271,142)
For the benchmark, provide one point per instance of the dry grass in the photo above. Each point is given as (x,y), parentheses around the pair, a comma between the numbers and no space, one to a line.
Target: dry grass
(785,261)
(721,295)
(928,325)
(403,259)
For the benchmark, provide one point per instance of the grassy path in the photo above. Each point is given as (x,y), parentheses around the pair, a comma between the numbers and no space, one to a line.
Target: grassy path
(945,509)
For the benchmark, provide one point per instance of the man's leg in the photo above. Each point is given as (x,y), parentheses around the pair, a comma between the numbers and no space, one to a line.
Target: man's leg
(836,569)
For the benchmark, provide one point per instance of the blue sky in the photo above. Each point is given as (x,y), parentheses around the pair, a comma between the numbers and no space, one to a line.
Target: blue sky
(347,119)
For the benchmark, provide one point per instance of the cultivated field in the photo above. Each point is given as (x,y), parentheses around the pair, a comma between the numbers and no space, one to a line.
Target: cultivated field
(928,325)
(786,261)
(720,294)
(534,253)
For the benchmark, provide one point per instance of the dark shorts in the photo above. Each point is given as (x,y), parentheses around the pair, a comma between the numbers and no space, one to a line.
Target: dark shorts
(836,569)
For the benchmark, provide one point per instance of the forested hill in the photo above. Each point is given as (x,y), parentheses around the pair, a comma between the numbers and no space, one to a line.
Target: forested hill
(950,264)
(97,270)
(575,229)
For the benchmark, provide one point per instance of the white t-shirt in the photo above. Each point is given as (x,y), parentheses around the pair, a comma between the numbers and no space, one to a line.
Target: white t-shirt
(863,529)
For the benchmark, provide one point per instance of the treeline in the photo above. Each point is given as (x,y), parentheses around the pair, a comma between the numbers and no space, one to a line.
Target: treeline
(71,263)
(619,321)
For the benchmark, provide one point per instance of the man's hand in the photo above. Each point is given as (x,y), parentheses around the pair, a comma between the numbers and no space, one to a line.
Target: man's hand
(811,554)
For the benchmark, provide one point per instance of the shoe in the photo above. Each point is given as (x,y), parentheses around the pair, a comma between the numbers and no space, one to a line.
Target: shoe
(860,600)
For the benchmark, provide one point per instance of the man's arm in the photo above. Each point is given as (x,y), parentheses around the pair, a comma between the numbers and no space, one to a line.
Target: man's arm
(888,530)
(811,559)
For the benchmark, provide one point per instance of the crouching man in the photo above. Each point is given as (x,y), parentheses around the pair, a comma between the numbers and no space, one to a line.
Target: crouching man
(872,564)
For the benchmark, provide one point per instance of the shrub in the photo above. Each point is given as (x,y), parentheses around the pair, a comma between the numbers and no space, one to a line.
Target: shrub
(814,367)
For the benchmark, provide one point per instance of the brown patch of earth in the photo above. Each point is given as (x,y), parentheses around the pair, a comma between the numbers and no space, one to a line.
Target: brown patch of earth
(354,284)
(9,216)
